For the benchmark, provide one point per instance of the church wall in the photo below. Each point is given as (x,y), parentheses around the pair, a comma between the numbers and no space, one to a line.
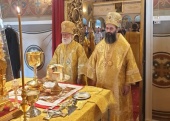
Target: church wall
(161,76)
(161,7)
(161,61)
(128,8)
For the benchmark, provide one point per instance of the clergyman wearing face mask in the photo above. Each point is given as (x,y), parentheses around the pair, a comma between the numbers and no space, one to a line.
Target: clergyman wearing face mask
(70,54)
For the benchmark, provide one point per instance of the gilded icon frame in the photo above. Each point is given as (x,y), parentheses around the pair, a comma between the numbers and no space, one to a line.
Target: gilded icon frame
(119,7)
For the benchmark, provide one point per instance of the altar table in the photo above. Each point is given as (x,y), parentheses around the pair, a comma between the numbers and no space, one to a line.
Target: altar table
(92,109)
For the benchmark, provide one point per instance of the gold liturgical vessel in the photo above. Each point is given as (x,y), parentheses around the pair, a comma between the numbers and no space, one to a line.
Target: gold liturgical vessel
(55,74)
(32,97)
(3,66)
(34,60)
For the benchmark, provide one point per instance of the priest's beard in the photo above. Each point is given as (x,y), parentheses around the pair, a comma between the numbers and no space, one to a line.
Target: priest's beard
(110,37)
(66,40)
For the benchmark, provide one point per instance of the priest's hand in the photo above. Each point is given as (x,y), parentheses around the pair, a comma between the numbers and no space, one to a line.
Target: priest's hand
(126,89)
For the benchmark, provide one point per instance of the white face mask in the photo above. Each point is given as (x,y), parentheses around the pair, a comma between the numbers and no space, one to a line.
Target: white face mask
(66,40)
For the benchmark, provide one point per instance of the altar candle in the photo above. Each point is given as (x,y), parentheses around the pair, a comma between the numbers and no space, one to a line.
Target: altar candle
(21,48)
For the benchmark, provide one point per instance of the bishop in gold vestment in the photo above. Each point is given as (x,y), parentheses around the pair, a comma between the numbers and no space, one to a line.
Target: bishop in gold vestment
(112,66)
(70,54)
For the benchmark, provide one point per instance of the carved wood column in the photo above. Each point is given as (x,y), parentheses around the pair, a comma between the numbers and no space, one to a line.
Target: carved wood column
(74,14)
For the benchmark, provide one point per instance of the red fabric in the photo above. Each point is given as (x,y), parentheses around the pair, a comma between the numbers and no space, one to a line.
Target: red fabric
(135,99)
(57,18)
(43,106)
(6,111)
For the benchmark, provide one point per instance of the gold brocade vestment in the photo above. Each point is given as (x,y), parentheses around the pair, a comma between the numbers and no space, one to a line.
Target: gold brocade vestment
(133,39)
(86,45)
(92,43)
(72,57)
(112,66)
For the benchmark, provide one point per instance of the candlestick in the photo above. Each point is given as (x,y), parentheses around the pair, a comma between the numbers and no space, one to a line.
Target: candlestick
(21,47)
(24,105)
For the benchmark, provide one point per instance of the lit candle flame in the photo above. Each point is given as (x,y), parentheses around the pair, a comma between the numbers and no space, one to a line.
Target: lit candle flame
(84,10)
(18,9)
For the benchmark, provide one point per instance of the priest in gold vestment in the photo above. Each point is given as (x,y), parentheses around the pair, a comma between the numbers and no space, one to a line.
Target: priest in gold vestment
(133,37)
(91,39)
(70,54)
(112,66)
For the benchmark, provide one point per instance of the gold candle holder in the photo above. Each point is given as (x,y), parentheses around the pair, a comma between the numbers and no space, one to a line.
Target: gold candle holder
(24,104)
(4,101)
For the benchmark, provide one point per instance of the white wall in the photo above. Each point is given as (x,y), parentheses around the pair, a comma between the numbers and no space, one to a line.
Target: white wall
(37,34)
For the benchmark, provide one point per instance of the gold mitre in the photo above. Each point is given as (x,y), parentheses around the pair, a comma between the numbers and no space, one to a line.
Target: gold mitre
(113,18)
(67,27)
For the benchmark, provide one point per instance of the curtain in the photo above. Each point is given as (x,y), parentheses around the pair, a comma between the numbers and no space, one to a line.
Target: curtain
(57,18)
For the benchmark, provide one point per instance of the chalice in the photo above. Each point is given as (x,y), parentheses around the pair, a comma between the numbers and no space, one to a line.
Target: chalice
(32,96)
(34,60)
